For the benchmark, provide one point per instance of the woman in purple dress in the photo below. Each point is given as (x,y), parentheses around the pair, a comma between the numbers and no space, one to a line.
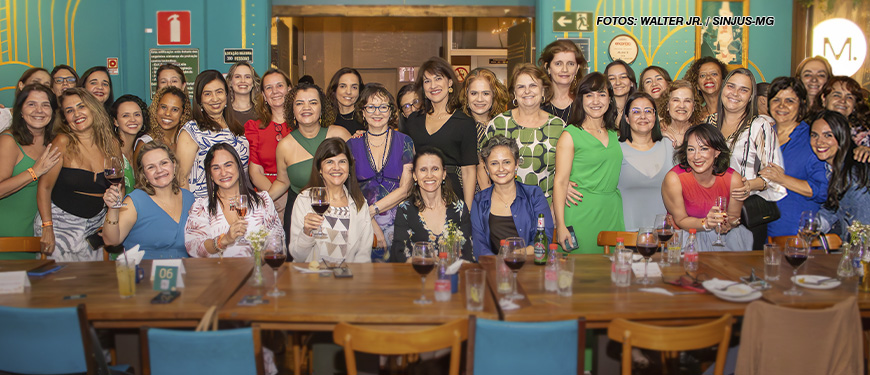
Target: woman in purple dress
(384,160)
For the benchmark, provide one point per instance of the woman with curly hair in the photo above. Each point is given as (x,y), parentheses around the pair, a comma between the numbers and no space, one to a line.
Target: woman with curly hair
(70,196)
(243,91)
(677,108)
(566,66)
(483,97)
(843,94)
(707,74)
(310,116)
(169,110)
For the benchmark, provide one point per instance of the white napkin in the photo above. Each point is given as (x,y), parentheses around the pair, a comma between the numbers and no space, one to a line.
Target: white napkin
(132,256)
(657,291)
(507,304)
(306,270)
(652,271)
(454,268)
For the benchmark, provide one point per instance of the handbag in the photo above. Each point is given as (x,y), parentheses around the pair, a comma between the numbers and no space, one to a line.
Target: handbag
(758,211)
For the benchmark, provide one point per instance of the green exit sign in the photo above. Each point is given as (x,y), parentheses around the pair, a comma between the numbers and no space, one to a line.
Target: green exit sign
(572,22)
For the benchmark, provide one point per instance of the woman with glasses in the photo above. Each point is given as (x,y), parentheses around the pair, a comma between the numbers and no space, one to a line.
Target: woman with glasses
(408,104)
(264,133)
(63,77)
(383,160)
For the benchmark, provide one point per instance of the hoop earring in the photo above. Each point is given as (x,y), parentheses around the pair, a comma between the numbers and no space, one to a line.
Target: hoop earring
(514,102)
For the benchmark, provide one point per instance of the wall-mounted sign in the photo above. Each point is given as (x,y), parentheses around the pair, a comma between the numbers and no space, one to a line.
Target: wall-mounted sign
(572,22)
(461,71)
(234,55)
(407,74)
(842,42)
(173,28)
(185,58)
(112,65)
(498,61)
(623,47)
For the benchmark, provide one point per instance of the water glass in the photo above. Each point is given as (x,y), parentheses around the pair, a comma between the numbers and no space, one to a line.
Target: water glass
(475,283)
(674,249)
(126,272)
(772,258)
(566,277)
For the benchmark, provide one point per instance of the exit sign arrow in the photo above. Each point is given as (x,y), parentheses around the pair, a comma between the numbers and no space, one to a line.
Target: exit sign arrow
(568,22)
(563,21)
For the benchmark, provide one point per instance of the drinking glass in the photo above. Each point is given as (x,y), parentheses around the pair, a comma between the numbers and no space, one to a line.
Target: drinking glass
(796,253)
(241,208)
(809,227)
(514,258)
(674,249)
(113,169)
(772,259)
(319,203)
(721,206)
(423,261)
(475,286)
(647,243)
(664,230)
(275,256)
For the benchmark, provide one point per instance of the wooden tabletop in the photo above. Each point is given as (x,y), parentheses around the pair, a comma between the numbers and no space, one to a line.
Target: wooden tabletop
(597,299)
(378,293)
(207,283)
(22,264)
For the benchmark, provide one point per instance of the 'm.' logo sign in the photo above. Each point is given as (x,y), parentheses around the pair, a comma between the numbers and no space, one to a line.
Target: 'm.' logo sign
(841,42)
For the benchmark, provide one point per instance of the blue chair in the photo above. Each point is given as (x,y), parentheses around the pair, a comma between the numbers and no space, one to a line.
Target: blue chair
(45,341)
(231,351)
(496,347)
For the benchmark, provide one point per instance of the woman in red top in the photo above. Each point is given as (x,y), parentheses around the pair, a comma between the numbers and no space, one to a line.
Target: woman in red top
(691,187)
(263,134)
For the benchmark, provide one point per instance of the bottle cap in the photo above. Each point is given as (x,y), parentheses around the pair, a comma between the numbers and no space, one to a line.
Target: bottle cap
(554,246)
(619,239)
(442,254)
(503,242)
(693,231)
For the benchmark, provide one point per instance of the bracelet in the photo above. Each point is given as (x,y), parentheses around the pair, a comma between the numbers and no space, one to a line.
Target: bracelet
(33,174)
(764,187)
(217,242)
(47,224)
(111,222)
(377,210)
(704,224)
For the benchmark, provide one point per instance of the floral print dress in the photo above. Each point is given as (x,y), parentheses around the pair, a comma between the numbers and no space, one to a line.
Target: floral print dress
(410,227)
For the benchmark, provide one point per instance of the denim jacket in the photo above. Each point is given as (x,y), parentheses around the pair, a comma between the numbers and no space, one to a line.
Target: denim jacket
(530,202)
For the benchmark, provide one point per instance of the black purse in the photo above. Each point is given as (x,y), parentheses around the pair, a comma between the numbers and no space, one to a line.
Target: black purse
(758,211)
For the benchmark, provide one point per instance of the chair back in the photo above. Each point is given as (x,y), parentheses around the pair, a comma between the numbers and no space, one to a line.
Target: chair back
(633,334)
(783,340)
(828,242)
(21,245)
(231,351)
(497,347)
(44,341)
(354,338)
(608,239)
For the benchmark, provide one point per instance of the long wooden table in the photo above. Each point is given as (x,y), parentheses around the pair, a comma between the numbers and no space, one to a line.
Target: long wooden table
(597,299)
(207,284)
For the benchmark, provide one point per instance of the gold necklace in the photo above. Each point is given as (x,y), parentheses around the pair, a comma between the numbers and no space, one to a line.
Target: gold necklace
(506,204)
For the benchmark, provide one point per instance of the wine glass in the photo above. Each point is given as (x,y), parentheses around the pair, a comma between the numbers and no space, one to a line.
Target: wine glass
(274,256)
(796,254)
(647,243)
(241,207)
(423,261)
(319,203)
(664,231)
(809,227)
(721,207)
(514,258)
(113,169)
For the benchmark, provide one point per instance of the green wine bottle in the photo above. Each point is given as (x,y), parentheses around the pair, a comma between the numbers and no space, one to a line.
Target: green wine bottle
(541,243)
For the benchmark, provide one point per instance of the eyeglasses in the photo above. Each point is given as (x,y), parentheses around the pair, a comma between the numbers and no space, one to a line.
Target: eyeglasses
(383,108)
(61,80)
(279,130)
(407,106)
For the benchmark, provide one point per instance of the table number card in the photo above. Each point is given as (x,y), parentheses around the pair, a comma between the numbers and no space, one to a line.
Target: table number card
(13,282)
(167,274)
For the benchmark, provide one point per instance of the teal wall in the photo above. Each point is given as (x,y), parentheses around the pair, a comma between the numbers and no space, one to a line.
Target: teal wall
(83,33)
(529,3)
(672,47)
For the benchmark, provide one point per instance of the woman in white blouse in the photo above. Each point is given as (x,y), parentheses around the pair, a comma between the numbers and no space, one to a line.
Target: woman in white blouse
(214,227)
(346,223)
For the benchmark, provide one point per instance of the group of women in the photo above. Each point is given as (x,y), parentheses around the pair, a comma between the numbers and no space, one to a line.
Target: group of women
(475,160)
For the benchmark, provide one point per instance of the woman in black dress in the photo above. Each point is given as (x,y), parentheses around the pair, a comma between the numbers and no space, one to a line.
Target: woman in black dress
(439,123)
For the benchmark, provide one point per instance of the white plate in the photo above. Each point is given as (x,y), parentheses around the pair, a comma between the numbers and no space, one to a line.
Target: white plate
(749,297)
(735,291)
(813,278)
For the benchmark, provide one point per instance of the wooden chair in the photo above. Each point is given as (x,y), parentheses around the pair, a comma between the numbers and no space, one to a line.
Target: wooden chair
(833,242)
(670,339)
(355,338)
(21,245)
(608,239)
(547,347)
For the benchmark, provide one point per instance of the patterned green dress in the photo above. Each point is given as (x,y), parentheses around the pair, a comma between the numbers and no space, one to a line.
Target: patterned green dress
(537,164)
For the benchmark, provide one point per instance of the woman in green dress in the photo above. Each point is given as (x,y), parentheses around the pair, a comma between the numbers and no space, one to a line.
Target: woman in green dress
(590,156)
(25,155)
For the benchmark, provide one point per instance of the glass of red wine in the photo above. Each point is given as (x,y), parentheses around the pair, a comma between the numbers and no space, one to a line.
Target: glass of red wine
(796,253)
(647,243)
(664,232)
(275,256)
(515,258)
(113,169)
(320,204)
(241,208)
(423,261)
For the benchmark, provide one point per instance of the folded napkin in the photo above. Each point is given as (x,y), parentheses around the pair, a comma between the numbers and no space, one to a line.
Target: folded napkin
(306,270)
(507,304)
(653,270)
(657,291)
(133,256)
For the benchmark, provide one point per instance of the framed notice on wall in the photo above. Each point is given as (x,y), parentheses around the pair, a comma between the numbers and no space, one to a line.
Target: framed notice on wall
(719,38)
(185,58)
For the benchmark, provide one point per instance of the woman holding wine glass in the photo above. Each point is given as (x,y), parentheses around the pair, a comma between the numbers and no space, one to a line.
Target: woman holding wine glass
(332,193)
(70,196)
(690,190)
(217,224)
(157,206)
(432,209)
